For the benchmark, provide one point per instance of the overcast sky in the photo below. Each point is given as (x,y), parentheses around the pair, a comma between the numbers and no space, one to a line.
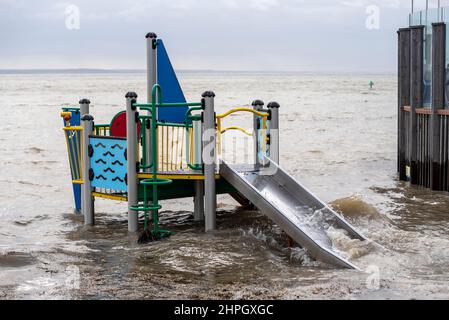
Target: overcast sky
(259,35)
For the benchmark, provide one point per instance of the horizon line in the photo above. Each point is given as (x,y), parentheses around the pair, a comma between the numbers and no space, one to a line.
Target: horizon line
(118,70)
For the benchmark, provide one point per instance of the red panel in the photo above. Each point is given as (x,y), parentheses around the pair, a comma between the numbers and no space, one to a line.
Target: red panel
(118,126)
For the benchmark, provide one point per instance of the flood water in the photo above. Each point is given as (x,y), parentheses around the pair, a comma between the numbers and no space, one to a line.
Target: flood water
(338,138)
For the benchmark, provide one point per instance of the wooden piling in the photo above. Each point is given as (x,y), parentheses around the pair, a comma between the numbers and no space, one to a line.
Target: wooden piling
(438,101)
(416,96)
(403,97)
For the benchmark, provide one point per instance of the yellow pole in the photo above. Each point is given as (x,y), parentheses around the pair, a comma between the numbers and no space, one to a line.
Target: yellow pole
(67,133)
(177,148)
(219,135)
(162,146)
(166,160)
(75,161)
(182,146)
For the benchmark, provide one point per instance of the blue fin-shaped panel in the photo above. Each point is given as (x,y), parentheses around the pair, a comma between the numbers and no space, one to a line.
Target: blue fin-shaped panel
(171,89)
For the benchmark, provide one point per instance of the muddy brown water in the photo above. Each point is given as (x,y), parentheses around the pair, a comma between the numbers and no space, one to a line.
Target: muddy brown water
(337,137)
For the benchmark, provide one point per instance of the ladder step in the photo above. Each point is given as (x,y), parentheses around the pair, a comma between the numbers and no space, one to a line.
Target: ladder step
(145,208)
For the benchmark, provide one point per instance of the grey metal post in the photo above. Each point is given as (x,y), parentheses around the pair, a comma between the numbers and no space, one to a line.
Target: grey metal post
(131,136)
(151,39)
(151,63)
(198,208)
(198,212)
(87,201)
(257,106)
(209,160)
(84,109)
(416,99)
(438,101)
(274,131)
(84,106)
(403,97)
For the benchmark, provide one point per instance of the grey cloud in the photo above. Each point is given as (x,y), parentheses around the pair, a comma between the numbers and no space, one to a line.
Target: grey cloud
(290,35)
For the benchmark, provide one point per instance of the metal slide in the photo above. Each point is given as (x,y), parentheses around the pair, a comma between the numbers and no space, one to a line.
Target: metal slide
(292,207)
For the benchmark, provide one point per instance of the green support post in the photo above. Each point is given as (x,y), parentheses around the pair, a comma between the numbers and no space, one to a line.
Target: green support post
(155,233)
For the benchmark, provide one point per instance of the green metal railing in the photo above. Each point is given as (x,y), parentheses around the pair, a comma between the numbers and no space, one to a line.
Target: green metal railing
(156,233)
(188,118)
(70,109)
(194,106)
(102,129)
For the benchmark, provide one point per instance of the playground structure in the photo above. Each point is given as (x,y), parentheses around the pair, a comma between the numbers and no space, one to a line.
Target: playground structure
(168,148)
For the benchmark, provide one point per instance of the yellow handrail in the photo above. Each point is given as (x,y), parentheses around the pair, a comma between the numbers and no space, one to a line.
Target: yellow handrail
(74,128)
(220,131)
(258,113)
(236,128)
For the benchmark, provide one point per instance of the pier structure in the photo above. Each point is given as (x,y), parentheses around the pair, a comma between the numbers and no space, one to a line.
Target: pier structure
(423,99)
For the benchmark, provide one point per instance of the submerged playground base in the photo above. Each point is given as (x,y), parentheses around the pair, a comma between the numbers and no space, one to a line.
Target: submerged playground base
(168,148)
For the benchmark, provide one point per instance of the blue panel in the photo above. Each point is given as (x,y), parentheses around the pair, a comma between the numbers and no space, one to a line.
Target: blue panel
(171,90)
(75,121)
(108,163)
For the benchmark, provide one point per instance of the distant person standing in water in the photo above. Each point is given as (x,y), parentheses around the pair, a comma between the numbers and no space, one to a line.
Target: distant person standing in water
(371,84)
